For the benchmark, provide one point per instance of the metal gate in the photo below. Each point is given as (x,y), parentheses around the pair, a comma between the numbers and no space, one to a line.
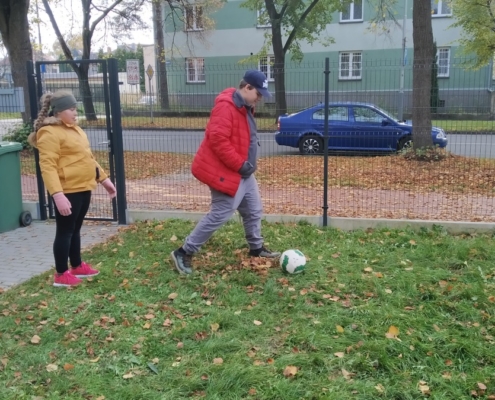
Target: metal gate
(95,85)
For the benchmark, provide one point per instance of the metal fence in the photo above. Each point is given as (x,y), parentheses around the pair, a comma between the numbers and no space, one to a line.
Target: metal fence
(160,143)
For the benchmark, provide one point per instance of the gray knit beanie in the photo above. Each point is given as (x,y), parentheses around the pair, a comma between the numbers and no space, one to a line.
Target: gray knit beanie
(62,101)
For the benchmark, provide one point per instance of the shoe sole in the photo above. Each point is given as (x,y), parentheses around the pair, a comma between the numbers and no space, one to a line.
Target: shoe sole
(176,263)
(86,276)
(65,285)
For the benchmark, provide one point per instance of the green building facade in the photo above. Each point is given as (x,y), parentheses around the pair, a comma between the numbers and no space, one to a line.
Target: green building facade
(211,50)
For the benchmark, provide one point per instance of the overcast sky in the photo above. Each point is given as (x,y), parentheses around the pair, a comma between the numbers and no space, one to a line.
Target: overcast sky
(63,15)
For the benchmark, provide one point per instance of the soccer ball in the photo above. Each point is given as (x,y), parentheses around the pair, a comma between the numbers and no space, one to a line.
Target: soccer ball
(292,261)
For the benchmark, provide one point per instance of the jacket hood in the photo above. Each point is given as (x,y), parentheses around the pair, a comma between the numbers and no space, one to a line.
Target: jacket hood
(226,95)
(50,121)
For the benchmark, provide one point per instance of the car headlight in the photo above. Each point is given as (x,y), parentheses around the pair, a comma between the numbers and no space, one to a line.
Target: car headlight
(441,135)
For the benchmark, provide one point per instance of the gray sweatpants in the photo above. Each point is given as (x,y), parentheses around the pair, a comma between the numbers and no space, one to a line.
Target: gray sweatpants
(247,201)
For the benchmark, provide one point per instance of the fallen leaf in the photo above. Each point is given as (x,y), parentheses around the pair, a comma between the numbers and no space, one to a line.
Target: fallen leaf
(68,367)
(35,339)
(173,238)
(290,371)
(252,391)
(95,360)
(481,386)
(218,361)
(392,333)
(339,354)
(447,375)
(214,327)
(346,374)
(128,376)
(172,296)
(380,388)
(153,368)
(339,329)
(51,367)
(424,388)
(180,345)
(257,322)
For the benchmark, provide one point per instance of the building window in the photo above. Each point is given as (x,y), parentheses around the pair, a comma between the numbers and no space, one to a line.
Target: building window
(263,19)
(350,64)
(352,12)
(195,70)
(194,18)
(265,65)
(441,8)
(443,62)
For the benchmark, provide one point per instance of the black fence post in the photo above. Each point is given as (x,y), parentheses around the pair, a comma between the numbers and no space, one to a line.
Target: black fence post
(117,143)
(325,144)
(33,102)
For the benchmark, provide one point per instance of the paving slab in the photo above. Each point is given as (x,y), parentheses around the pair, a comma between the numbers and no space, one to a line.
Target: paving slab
(27,252)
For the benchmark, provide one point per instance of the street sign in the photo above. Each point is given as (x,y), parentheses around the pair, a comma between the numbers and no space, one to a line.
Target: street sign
(132,68)
(149,71)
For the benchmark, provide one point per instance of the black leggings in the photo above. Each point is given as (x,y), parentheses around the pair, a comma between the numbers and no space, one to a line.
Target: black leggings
(67,244)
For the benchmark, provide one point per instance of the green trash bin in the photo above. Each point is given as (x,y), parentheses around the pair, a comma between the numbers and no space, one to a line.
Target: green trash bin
(12,215)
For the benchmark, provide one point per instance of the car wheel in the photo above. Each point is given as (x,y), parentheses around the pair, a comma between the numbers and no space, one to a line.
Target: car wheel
(311,145)
(405,143)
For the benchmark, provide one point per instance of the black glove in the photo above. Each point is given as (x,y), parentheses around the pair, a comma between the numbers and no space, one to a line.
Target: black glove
(247,169)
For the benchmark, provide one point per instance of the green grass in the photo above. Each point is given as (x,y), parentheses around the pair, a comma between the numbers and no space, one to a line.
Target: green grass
(465,126)
(141,331)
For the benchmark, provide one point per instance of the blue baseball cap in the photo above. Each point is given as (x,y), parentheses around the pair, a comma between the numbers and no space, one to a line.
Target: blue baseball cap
(257,79)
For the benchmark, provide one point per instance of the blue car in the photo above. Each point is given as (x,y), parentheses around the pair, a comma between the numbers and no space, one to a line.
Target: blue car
(359,127)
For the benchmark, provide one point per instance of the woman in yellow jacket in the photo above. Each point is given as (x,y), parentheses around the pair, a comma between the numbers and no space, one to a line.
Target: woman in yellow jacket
(70,173)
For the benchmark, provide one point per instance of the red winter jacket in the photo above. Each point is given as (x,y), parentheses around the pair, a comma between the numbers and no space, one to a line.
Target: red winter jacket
(225,146)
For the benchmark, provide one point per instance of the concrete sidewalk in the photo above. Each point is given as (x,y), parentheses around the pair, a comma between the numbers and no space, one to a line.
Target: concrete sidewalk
(27,252)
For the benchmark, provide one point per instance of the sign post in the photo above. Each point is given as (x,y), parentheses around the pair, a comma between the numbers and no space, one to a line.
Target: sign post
(132,70)
(150,72)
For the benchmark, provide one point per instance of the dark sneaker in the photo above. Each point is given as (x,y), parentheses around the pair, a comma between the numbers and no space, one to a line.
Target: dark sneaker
(263,252)
(182,262)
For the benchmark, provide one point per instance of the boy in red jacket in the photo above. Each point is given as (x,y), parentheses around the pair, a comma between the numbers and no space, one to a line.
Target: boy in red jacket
(226,162)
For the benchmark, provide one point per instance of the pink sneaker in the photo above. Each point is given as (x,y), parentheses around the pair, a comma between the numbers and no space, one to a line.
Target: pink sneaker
(65,280)
(84,271)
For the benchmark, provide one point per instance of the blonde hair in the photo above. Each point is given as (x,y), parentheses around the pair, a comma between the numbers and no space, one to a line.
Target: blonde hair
(42,114)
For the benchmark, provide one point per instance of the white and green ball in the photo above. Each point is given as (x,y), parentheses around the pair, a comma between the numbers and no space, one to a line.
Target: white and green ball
(293,261)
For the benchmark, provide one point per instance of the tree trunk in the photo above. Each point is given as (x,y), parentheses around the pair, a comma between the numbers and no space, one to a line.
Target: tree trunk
(161,68)
(85,90)
(492,105)
(279,69)
(14,28)
(423,57)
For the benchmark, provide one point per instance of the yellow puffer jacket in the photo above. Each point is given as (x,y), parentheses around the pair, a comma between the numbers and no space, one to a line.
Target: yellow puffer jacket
(66,162)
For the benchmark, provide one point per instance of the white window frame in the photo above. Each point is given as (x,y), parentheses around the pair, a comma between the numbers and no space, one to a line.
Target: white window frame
(198,75)
(197,18)
(352,9)
(262,18)
(438,5)
(265,65)
(355,58)
(443,69)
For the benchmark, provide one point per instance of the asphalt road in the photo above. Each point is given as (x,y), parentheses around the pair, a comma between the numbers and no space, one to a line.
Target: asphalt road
(471,145)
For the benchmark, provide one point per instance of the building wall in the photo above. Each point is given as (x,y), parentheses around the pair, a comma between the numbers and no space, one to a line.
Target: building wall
(236,37)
